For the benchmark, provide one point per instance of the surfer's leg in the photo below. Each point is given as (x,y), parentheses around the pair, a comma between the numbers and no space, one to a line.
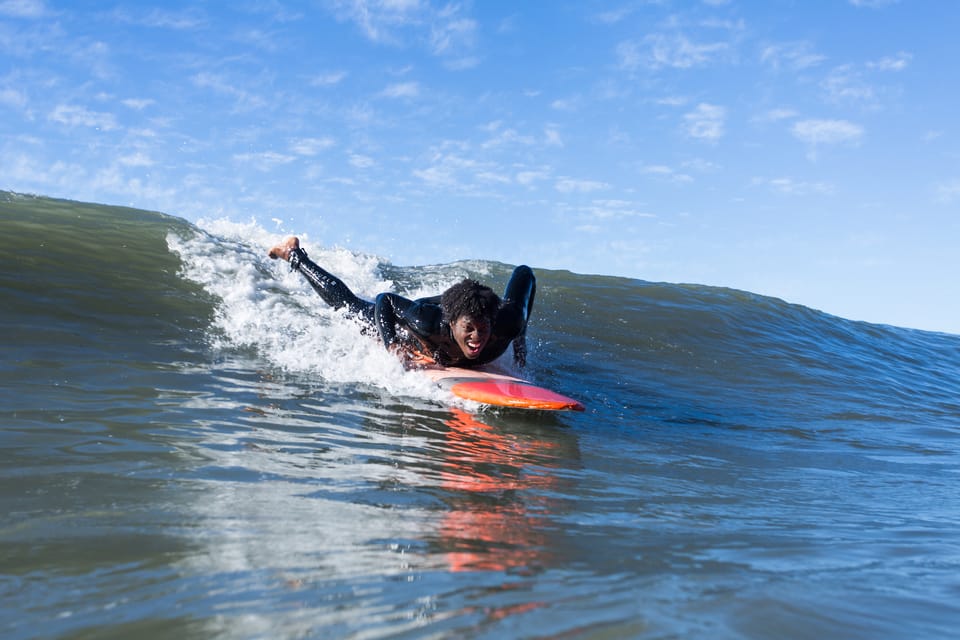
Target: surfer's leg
(331,288)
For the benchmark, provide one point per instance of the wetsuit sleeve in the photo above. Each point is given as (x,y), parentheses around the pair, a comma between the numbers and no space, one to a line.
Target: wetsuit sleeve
(389,308)
(331,288)
(406,328)
(520,292)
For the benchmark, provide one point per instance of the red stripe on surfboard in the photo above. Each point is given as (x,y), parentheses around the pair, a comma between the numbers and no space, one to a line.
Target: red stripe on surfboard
(514,394)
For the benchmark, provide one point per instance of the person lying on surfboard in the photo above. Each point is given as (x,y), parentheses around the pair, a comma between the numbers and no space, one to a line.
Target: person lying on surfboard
(468,325)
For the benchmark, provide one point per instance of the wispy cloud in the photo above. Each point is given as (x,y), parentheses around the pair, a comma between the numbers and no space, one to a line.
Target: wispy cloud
(873,4)
(446,31)
(658,51)
(817,132)
(793,56)
(264,161)
(845,85)
(507,137)
(23,8)
(328,79)
(449,170)
(245,100)
(401,90)
(136,159)
(187,19)
(791,187)
(451,33)
(138,104)
(530,177)
(665,173)
(898,62)
(776,115)
(574,185)
(611,209)
(552,137)
(360,161)
(77,116)
(948,192)
(13,98)
(310,146)
(706,122)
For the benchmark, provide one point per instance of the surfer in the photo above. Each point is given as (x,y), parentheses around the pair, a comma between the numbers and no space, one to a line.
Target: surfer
(466,326)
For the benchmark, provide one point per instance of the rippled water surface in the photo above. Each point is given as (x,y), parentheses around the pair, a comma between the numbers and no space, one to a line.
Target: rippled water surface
(193,447)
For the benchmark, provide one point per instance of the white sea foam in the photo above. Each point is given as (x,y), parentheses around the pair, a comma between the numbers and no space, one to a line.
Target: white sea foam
(265,307)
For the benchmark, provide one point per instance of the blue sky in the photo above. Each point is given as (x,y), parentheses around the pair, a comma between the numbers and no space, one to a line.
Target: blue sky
(806,150)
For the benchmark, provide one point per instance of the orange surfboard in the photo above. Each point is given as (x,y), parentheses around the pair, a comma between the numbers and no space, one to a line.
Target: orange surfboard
(500,390)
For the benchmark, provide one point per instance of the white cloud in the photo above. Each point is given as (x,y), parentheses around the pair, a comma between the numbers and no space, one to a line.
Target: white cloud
(898,62)
(873,4)
(573,185)
(506,137)
(827,131)
(444,169)
(360,161)
(948,192)
(629,56)
(615,209)
(187,19)
(310,146)
(844,84)
(791,187)
(491,176)
(264,161)
(260,39)
(794,56)
(613,16)
(657,51)
(23,8)
(245,100)
(552,137)
(137,159)
(666,173)
(13,98)
(74,116)
(452,33)
(401,90)
(566,104)
(672,101)
(776,115)
(137,104)
(328,79)
(529,177)
(444,29)
(706,122)
(679,52)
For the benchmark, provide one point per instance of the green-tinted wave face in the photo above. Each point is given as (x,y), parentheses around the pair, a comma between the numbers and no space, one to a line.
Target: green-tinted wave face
(75,274)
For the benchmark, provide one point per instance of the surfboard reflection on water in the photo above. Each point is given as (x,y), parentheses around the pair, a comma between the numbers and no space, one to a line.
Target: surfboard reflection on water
(499,515)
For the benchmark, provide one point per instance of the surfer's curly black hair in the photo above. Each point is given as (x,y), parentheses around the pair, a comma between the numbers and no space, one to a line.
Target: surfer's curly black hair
(470,298)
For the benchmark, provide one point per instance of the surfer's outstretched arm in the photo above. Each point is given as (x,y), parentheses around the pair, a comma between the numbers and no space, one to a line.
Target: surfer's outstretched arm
(331,288)
(520,292)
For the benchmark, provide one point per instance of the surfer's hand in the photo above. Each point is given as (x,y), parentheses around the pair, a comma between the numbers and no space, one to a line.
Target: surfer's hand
(520,351)
(285,248)
(410,357)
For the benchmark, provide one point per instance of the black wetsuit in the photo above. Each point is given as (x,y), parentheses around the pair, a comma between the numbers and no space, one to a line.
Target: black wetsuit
(418,325)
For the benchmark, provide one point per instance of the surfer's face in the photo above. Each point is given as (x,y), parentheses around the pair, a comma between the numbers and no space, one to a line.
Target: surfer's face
(471,334)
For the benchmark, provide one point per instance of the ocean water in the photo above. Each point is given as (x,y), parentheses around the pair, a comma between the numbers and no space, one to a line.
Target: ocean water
(193,446)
